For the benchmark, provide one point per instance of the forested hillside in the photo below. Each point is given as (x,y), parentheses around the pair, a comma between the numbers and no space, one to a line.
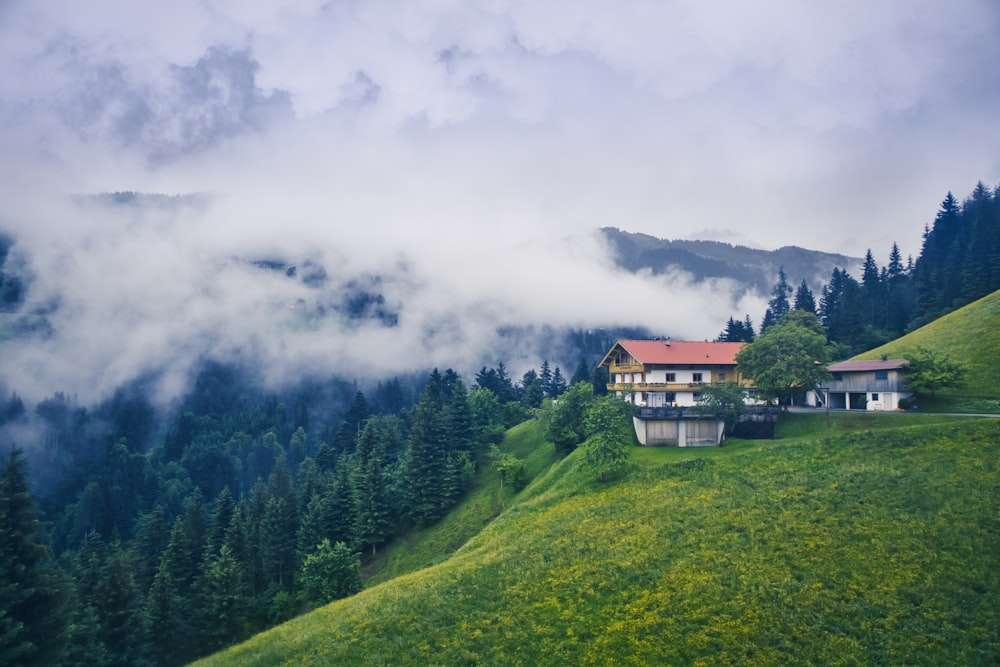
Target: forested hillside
(156,542)
(959,262)
(139,531)
(850,541)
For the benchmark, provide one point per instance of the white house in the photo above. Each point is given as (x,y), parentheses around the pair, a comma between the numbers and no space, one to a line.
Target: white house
(863,385)
(660,373)
(664,377)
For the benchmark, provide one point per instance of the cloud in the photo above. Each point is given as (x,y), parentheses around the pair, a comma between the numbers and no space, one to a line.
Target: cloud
(459,154)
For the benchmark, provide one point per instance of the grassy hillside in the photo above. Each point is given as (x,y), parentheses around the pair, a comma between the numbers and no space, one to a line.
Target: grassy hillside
(829,546)
(970,335)
(422,548)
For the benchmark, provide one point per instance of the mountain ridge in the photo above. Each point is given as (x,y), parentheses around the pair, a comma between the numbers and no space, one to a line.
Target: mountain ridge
(754,267)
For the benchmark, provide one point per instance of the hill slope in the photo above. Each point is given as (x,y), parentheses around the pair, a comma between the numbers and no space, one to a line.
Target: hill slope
(754,268)
(850,548)
(969,335)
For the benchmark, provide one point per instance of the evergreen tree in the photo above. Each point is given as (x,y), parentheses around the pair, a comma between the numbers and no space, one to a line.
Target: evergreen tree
(736,331)
(224,605)
(532,390)
(279,525)
(222,516)
(123,622)
(425,465)
(33,620)
(372,510)
(458,417)
(840,311)
(804,299)
(582,373)
(497,381)
(168,617)
(900,293)
(150,540)
(871,287)
(545,377)
(85,649)
(350,427)
(558,383)
(933,274)
(600,379)
(778,306)
(487,417)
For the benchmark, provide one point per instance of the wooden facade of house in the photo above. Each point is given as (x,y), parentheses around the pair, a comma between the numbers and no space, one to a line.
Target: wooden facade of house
(864,385)
(664,379)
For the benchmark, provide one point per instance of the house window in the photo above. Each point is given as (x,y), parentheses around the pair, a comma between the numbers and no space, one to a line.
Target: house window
(671,377)
(874,396)
(722,377)
(696,377)
(838,377)
(881,375)
(696,396)
(669,398)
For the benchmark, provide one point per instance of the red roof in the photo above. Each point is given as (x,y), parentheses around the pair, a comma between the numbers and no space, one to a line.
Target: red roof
(681,352)
(868,365)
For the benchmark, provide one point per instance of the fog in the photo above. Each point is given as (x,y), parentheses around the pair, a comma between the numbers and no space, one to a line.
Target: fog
(455,158)
(150,289)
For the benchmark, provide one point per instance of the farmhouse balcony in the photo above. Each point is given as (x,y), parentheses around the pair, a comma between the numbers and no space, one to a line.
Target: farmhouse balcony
(862,384)
(751,413)
(626,368)
(658,386)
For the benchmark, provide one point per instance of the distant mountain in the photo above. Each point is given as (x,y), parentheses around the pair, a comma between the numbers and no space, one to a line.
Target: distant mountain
(757,269)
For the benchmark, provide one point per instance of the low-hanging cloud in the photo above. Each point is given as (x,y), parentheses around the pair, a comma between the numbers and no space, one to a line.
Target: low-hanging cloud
(137,290)
(456,158)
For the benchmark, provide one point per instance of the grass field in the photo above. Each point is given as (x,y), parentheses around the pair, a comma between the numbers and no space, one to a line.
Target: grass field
(969,335)
(847,541)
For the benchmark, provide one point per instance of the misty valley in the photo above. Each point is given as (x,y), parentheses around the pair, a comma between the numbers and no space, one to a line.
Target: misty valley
(202,448)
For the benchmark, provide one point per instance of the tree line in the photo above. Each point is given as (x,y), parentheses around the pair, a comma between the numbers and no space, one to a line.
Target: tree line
(153,544)
(959,262)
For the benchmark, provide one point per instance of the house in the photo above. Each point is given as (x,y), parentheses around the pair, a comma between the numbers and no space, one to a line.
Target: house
(863,385)
(664,378)
(661,373)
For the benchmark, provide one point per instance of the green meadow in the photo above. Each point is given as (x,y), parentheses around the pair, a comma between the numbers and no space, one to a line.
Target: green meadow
(847,540)
(970,336)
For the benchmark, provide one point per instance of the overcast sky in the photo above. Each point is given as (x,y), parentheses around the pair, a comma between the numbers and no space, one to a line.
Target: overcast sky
(471,146)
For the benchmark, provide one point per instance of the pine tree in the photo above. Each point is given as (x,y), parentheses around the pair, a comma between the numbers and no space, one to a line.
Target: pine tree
(224,608)
(425,468)
(458,418)
(778,306)
(222,516)
(545,377)
(168,617)
(582,372)
(804,299)
(558,383)
(372,510)
(899,290)
(150,540)
(123,622)
(33,619)
(350,427)
(532,391)
(931,271)
(841,309)
(736,331)
(871,287)
(278,527)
